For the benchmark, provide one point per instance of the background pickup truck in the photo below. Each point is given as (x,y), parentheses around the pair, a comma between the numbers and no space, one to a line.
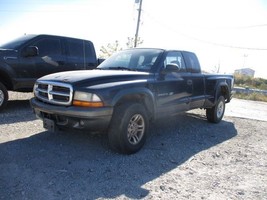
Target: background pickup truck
(128,91)
(27,58)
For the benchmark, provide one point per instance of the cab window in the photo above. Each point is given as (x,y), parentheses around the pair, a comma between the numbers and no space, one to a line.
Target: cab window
(192,62)
(175,58)
(76,48)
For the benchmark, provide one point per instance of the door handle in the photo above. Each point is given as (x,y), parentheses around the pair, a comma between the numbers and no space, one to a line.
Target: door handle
(189,82)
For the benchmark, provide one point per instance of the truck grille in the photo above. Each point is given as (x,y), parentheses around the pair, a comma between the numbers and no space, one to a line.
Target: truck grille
(53,92)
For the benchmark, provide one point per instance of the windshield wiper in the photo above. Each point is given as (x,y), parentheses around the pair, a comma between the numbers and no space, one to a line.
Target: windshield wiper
(122,68)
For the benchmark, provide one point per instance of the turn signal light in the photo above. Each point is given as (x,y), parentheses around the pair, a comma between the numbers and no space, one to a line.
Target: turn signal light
(87,104)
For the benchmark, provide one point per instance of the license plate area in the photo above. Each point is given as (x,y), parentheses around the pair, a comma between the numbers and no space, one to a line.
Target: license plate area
(49,124)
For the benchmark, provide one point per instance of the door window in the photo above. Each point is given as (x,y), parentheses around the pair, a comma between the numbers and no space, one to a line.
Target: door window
(48,46)
(176,59)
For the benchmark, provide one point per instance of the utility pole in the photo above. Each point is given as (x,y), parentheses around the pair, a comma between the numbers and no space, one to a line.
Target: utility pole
(138,21)
(245,56)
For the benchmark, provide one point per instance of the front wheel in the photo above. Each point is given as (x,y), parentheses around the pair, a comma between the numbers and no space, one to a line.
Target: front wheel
(215,114)
(128,129)
(3,96)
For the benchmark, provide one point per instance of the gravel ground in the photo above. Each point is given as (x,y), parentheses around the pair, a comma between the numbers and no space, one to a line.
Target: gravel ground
(184,158)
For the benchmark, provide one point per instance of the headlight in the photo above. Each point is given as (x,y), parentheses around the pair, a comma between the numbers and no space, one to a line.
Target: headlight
(85,99)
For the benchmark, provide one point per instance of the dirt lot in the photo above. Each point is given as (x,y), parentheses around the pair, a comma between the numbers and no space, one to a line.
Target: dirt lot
(184,158)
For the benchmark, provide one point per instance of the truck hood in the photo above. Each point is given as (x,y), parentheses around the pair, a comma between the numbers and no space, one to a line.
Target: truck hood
(6,54)
(89,78)
(7,51)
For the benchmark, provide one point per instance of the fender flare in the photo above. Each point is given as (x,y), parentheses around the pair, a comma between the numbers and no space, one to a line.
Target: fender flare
(145,93)
(218,91)
(7,75)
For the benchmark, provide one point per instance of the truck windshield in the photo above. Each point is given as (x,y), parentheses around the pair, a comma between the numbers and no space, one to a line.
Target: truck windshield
(132,59)
(14,44)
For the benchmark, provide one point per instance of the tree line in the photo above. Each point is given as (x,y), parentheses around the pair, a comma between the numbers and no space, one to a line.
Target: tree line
(250,82)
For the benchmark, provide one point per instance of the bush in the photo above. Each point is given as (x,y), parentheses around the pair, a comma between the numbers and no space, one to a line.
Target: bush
(252,96)
(247,81)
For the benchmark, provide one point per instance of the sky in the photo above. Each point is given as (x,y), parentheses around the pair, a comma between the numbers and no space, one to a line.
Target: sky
(225,34)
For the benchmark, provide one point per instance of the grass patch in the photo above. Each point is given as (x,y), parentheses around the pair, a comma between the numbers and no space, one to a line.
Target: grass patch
(252,96)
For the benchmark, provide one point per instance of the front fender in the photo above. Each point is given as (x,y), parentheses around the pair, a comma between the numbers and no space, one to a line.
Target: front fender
(7,75)
(144,95)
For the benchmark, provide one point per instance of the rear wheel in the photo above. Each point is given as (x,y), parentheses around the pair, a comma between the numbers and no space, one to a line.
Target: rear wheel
(128,129)
(3,96)
(215,114)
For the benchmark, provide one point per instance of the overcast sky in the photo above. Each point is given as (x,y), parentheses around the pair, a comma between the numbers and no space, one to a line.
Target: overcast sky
(225,34)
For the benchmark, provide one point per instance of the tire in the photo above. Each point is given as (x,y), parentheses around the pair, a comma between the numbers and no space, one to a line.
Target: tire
(3,96)
(215,114)
(128,130)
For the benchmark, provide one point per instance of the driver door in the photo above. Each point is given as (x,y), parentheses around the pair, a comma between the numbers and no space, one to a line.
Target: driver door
(51,58)
(174,87)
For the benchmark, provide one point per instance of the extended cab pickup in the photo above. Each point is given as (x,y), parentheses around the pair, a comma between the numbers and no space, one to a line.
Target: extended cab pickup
(127,91)
(27,58)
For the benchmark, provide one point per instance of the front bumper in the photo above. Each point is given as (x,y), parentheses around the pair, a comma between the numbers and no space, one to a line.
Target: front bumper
(92,119)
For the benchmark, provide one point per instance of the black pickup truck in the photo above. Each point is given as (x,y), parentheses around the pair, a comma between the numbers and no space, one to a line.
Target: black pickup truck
(29,57)
(128,91)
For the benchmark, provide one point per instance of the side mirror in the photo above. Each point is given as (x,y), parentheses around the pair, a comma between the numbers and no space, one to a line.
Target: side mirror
(171,68)
(30,51)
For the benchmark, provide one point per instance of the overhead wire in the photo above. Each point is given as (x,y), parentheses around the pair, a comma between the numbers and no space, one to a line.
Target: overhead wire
(206,41)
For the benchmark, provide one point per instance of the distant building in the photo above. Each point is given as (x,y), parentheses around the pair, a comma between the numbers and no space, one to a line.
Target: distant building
(245,71)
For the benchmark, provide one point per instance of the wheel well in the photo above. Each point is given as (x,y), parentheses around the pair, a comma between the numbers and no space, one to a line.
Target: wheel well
(139,98)
(224,92)
(4,78)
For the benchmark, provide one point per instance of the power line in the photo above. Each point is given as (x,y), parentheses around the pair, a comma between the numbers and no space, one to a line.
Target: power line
(206,41)
(43,10)
(244,27)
